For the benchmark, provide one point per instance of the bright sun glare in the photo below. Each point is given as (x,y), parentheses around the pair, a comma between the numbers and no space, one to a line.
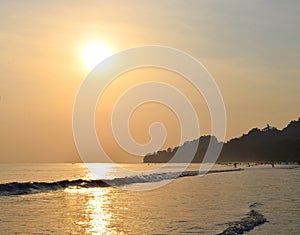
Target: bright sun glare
(94,53)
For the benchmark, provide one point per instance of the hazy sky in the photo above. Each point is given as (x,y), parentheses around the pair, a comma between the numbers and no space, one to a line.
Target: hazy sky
(252,49)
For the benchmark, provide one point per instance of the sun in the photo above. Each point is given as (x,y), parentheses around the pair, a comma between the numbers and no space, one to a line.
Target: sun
(95,52)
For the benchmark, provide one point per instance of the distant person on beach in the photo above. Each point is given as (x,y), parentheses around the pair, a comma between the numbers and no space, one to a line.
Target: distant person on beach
(272,163)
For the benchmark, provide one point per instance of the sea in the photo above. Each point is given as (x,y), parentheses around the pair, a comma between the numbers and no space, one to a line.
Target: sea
(72,199)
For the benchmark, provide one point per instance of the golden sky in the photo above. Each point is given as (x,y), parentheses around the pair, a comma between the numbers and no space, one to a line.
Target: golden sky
(251,48)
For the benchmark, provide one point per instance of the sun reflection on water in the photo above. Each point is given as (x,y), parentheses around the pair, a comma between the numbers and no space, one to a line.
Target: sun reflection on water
(101,170)
(96,217)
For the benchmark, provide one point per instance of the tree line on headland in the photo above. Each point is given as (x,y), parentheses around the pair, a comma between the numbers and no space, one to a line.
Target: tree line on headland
(259,145)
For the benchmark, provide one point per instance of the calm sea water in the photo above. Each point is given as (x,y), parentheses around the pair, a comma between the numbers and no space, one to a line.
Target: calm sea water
(188,205)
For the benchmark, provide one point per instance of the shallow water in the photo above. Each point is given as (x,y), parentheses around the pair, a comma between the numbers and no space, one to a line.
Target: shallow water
(197,204)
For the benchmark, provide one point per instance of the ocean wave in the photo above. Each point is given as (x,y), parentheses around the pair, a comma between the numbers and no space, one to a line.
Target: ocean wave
(247,223)
(255,204)
(22,188)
